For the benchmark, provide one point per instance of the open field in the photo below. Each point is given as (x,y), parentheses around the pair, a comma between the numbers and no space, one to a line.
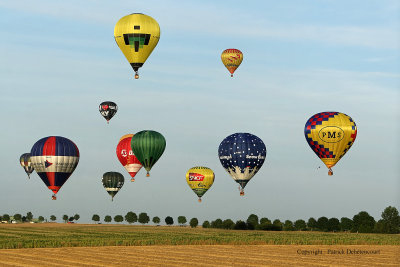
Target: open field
(206,255)
(52,235)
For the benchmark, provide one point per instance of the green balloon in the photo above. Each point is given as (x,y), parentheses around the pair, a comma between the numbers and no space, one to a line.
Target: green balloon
(112,182)
(148,146)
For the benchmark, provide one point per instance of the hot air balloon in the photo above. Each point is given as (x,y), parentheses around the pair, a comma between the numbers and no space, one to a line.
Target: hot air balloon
(112,182)
(232,59)
(200,179)
(126,157)
(25,161)
(330,135)
(242,155)
(148,146)
(54,159)
(108,109)
(137,35)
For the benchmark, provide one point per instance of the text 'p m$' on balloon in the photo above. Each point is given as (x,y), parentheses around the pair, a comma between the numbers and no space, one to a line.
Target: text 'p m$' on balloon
(330,135)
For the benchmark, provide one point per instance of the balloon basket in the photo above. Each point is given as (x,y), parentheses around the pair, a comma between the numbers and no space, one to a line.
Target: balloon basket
(148,175)
(132,179)
(53,197)
(136,75)
(231,75)
(241,193)
(330,172)
(108,122)
(199,200)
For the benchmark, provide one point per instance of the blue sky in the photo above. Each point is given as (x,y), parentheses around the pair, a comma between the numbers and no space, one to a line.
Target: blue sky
(60,60)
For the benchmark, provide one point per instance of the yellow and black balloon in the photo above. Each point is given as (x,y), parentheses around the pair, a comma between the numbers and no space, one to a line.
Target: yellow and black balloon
(330,135)
(200,179)
(232,58)
(137,35)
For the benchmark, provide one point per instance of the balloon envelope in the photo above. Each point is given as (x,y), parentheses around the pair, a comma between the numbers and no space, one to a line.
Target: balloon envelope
(112,182)
(137,35)
(127,157)
(148,146)
(242,155)
(200,179)
(25,161)
(108,109)
(54,159)
(330,135)
(232,58)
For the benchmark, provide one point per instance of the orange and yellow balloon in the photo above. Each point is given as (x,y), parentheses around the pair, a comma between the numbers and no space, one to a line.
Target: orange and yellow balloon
(330,135)
(232,59)
(200,179)
(137,35)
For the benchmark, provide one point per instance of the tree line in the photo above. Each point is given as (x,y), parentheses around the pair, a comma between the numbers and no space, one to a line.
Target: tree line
(360,223)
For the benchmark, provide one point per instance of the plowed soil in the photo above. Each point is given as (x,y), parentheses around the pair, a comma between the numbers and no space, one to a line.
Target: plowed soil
(205,255)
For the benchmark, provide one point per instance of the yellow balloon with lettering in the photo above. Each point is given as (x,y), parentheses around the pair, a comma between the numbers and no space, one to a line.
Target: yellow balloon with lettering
(137,35)
(330,135)
(200,179)
(232,58)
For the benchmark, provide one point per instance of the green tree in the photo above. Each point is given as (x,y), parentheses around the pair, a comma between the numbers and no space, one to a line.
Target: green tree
(252,221)
(391,220)
(40,218)
(6,217)
(379,227)
(194,222)
(322,224)
(1,218)
(65,218)
(278,224)
(76,217)
(18,217)
(206,224)
(269,227)
(216,224)
(363,223)
(95,218)
(29,216)
(118,218)
(182,220)
(169,220)
(23,219)
(288,225)
(333,225)
(53,218)
(346,224)
(240,225)
(143,218)
(156,220)
(312,224)
(131,217)
(107,218)
(228,224)
(265,220)
(300,225)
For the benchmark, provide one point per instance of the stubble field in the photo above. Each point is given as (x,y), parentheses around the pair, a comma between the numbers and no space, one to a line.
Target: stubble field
(116,245)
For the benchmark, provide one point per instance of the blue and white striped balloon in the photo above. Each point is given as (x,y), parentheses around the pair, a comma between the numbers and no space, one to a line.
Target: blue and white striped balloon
(54,158)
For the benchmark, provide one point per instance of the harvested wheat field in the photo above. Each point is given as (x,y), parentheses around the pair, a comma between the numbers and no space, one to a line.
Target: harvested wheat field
(206,255)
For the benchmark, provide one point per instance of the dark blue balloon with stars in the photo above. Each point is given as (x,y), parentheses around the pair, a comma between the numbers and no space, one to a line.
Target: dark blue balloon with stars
(242,155)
